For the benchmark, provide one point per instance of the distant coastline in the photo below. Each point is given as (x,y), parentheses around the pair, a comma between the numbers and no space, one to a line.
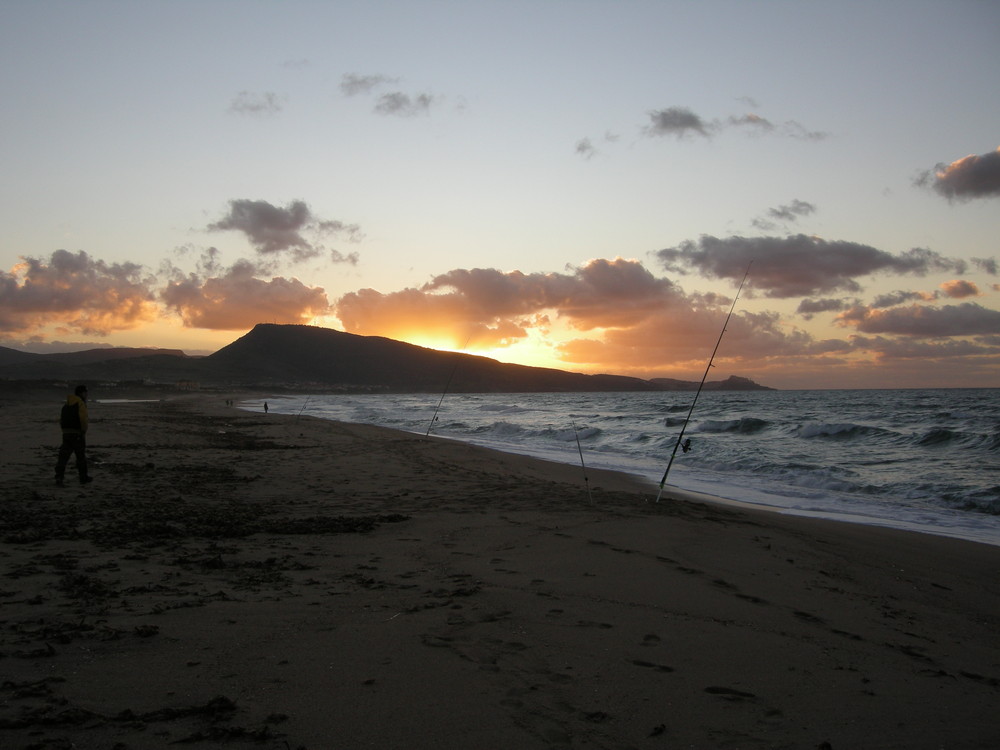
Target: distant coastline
(297,358)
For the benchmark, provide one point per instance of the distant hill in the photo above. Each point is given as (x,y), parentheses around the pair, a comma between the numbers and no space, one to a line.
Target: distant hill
(732,383)
(299,357)
(302,354)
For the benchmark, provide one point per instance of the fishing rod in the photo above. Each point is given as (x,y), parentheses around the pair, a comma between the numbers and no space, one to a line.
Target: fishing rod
(302,409)
(446,387)
(701,385)
(586,481)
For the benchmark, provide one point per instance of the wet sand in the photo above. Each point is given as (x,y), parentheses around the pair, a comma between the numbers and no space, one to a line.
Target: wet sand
(271,581)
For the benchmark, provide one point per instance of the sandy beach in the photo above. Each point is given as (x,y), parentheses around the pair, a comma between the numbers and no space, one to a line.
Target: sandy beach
(246,580)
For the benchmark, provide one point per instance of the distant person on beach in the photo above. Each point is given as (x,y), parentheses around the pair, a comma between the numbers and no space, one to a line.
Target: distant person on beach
(265,407)
(73,421)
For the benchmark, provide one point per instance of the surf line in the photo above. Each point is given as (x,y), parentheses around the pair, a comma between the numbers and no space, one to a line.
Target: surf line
(447,385)
(701,385)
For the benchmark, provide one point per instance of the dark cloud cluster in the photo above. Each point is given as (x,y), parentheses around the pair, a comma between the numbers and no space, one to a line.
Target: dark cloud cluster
(677,122)
(798,265)
(254,104)
(787,213)
(810,307)
(76,292)
(967,178)
(792,211)
(272,230)
(585,148)
(966,319)
(680,122)
(899,297)
(352,84)
(397,103)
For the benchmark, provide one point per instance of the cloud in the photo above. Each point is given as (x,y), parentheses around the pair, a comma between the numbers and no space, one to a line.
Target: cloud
(897,298)
(403,105)
(810,307)
(681,122)
(496,308)
(678,122)
(77,293)
(250,103)
(679,338)
(635,321)
(237,300)
(967,178)
(911,348)
(789,212)
(958,289)
(273,230)
(753,121)
(794,129)
(394,103)
(986,265)
(352,84)
(798,265)
(585,148)
(967,319)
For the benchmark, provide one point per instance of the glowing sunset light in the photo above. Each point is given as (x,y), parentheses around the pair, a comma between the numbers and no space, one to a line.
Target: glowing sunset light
(323,166)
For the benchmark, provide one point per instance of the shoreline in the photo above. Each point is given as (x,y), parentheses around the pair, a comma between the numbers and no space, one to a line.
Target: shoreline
(293,582)
(942,522)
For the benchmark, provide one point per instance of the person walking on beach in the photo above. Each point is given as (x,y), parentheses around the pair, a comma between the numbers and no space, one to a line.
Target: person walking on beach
(73,421)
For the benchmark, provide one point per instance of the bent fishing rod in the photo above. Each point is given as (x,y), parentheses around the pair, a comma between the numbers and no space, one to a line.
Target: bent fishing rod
(701,385)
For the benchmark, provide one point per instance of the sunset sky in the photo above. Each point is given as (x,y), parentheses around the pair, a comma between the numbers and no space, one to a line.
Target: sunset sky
(579,185)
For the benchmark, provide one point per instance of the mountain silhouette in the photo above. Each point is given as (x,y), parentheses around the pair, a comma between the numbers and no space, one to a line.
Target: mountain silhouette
(298,357)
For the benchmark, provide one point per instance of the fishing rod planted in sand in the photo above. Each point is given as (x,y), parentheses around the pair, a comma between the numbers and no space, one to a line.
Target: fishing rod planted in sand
(586,481)
(446,387)
(701,385)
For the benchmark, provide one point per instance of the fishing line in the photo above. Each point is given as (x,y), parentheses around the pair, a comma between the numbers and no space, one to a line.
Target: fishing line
(302,409)
(446,386)
(586,481)
(701,385)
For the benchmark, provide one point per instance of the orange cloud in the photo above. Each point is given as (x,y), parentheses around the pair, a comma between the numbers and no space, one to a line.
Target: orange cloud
(237,300)
(76,292)
(957,289)
(973,176)
(494,308)
(685,338)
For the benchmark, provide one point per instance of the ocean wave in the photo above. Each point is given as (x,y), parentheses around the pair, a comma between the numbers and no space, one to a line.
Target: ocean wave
(841,430)
(986,501)
(499,429)
(571,435)
(502,408)
(744,425)
(937,436)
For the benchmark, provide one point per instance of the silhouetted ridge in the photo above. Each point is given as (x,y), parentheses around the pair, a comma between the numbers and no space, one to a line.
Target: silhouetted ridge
(297,354)
(297,357)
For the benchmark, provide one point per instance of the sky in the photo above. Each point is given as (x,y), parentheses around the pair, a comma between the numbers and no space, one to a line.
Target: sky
(581,185)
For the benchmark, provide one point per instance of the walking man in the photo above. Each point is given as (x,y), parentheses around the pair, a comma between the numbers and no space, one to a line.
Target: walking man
(73,422)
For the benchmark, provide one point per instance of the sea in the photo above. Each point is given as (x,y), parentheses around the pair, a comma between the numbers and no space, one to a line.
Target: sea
(922,460)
